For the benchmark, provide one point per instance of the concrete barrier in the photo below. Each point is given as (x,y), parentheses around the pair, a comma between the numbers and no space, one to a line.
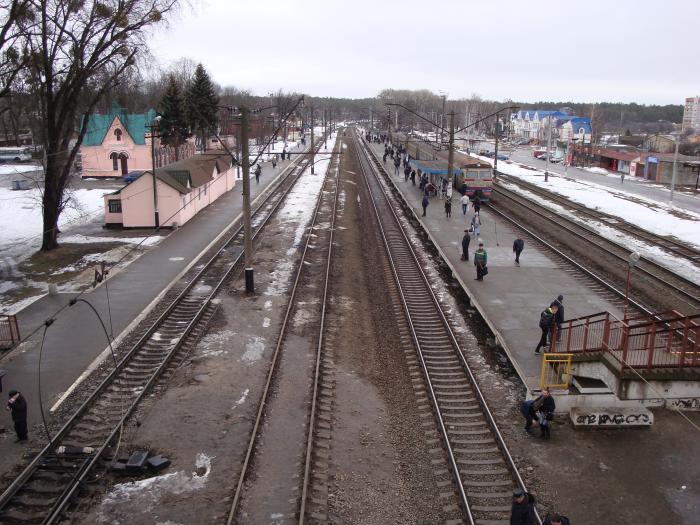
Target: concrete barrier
(611,417)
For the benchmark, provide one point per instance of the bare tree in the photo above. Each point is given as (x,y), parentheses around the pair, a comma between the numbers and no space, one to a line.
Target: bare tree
(15,15)
(80,50)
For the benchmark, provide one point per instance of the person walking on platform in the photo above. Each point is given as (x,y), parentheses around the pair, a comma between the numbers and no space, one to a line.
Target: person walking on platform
(384,157)
(559,318)
(406,173)
(274,160)
(518,245)
(546,320)
(475,225)
(413,177)
(464,200)
(480,260)
(448,208)
(522,511)
(544,407)
(465,245)
(425,203)
(556,519)
(397,165)
(258,171)
(477,205)
(18,407)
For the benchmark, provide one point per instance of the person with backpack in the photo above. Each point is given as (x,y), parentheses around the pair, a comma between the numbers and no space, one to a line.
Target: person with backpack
(258,171)
(480,260)
(518,245)
(546,319)
(544,408)
(522,511)
(448,208)
(475,226)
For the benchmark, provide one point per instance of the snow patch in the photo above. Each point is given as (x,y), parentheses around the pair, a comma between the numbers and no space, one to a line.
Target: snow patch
(253,349)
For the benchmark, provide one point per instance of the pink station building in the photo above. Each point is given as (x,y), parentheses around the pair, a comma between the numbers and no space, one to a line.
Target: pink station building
(183,189)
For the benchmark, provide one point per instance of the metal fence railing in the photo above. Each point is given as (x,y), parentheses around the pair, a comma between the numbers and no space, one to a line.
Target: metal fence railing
(665,340)
(9,331)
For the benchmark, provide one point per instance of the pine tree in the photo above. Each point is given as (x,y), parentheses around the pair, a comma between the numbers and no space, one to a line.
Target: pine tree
(173,124)
(202,105)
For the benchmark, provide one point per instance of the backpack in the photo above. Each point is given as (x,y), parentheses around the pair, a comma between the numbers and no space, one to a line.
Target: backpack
(545,318)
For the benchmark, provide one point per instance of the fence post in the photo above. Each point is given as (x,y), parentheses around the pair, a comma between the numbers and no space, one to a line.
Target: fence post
(684,342)
(585,335)
(650,348)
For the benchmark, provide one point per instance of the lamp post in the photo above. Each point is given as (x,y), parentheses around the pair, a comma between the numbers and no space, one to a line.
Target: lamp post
(154,126)
(631,263)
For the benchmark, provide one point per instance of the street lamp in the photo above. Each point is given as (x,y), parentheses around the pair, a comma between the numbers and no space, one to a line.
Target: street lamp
(631,263)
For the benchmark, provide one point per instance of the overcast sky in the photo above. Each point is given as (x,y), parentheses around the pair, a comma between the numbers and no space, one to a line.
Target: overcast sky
(595,50)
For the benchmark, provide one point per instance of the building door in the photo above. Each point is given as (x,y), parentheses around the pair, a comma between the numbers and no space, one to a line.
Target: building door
(125,164)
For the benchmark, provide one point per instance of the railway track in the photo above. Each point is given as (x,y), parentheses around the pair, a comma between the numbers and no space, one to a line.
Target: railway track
(305,344)
(676,290)
(676,248)
(45,489)
(482,468)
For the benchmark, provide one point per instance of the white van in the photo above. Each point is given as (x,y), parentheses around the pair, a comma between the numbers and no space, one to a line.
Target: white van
(19,154)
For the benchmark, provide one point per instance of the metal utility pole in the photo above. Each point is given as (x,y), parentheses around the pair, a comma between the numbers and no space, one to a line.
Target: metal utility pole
(549,145)
(371,120)
(496,132)
(312,140)
(325,129)
(451,154)
(675,167)
(247,230)
(153,127)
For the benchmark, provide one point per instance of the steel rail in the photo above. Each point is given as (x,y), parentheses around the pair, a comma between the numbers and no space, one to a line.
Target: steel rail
(465,365)
(319,347)
(692,300)
(64,499)
(676,247)
(233,510)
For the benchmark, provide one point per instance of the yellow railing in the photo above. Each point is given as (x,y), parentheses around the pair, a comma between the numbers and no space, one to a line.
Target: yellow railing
(556,371)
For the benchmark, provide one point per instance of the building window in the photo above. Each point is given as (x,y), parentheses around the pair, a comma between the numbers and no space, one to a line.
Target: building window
(114,205)
(118,135)
(115,161)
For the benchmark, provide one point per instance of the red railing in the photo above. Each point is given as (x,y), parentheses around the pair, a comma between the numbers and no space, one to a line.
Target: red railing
(665,340)
(9,331)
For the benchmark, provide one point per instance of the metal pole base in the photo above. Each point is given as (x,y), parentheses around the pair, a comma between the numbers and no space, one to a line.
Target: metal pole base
(249,281)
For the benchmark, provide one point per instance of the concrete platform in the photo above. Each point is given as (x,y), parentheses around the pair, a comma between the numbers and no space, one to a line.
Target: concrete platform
(510,298)
(76,340)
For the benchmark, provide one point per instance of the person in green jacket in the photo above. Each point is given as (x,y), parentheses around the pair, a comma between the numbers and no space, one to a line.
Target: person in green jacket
(480,258)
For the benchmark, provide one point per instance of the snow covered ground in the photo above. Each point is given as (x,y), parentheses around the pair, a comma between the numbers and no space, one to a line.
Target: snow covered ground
(20,216)
(652,215)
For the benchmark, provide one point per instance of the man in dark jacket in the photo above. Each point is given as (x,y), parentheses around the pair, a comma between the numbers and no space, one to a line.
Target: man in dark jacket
(544,407)
(556,519)
(18,407)
(559,318)
(424,203)
(522,511)
(518,245)
(465,245)
(546,320)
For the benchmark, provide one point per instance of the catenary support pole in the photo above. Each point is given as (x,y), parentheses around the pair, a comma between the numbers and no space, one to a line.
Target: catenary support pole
(247,230)
(312,140)
(451,154)
(675,168)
